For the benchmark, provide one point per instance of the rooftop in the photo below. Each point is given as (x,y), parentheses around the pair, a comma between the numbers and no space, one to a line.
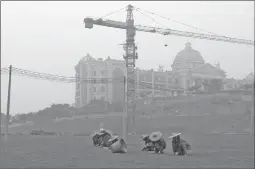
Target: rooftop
(188,54)
(87,58)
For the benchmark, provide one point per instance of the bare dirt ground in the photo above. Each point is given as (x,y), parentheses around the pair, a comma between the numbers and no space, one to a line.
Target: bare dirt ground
(50,152)
(209,150)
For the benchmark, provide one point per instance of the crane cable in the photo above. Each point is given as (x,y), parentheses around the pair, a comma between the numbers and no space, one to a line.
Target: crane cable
(189,39)
(211,33)
(169,19)
(111,13)
(150,18)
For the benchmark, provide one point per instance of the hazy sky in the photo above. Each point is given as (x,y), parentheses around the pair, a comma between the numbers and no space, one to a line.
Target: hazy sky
(50,37)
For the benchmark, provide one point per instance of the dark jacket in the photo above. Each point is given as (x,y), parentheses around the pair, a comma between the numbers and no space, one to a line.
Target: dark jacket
(101,139)
(104,140)
(180,146)
(95,140)
(160,146)
(148,144)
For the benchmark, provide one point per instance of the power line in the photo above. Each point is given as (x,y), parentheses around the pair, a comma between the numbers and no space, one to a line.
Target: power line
(57,78)
(64,79)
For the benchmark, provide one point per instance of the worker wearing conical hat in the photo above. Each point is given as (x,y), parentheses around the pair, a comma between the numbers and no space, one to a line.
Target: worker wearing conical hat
(95,138)
(180,146)
(158,142)
(101,138)
(118,145)
(148,143)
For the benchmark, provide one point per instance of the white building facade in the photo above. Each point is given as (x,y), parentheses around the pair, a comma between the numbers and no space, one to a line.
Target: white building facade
(148,82)
(87,89)
(188,69)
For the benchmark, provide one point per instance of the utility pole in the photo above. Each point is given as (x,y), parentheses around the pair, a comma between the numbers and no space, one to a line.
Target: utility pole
(124,117)
(0,128)
(8,103)
(252,123)
(130,58)
(252,113)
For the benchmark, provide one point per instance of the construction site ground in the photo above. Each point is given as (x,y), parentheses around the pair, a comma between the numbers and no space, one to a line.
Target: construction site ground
(207,124)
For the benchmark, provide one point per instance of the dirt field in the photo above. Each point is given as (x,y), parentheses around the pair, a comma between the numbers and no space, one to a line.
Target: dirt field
(198,123)
(208,151)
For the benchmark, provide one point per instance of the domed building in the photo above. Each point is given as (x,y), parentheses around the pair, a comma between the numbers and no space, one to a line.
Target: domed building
(190,70)
(187,58)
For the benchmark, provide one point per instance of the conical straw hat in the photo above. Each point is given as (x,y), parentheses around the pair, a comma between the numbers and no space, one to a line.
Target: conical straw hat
(155,136)
(144,135)
(174,135)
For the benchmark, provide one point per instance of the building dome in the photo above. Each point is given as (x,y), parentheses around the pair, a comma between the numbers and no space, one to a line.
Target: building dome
(188,55)
(87,58)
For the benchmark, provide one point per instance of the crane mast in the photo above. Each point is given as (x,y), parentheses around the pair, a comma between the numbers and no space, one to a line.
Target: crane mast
(130,58)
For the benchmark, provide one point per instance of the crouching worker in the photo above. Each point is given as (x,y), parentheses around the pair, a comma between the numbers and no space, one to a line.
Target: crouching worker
(95,138)
(158,142)
(117,145)
(101,138)
(148,143)
(180,146)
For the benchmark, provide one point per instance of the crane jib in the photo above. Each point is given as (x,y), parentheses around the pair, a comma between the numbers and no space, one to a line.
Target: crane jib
(89,22)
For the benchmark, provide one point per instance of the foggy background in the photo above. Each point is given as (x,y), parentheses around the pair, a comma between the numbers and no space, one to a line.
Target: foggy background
(50,37)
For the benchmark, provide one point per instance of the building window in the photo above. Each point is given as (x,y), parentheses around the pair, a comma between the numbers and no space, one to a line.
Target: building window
(95,73)
(94,98)
(77,93)
(102,98)
(188,83)
(77,86)
(102,72)
(175,81)
(95,89)
(102,89)
(94,81)
(77,102)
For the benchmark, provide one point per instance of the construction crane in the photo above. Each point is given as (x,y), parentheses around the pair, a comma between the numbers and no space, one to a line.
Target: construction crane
(89,22)
(130,48)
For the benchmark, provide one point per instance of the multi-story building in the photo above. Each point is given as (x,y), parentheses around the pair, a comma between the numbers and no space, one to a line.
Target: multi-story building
(90,68)
(155,82)
(188,69)
(148,82)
